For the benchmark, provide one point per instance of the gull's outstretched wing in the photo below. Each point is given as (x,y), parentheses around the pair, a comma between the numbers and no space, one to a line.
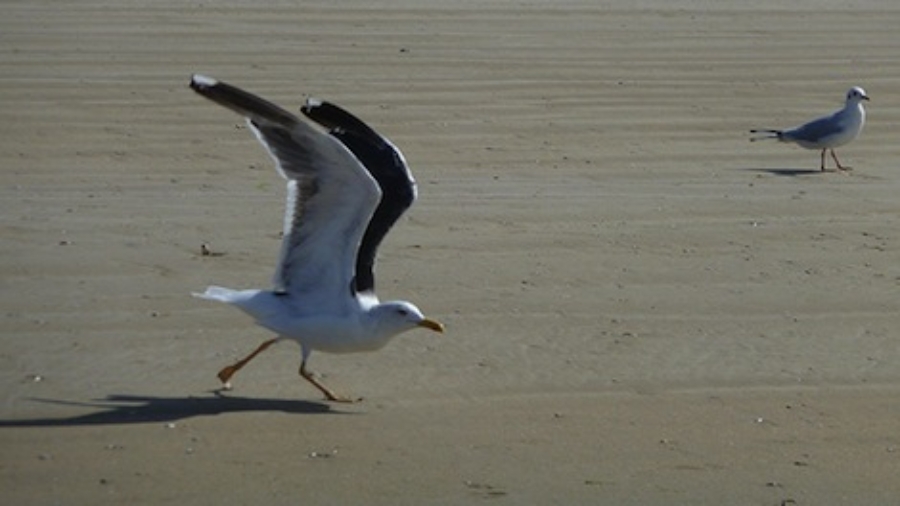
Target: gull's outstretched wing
(385,163)
(331,198)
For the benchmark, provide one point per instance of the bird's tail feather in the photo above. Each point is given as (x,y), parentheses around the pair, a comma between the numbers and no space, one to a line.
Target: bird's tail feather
(765,133)
(257,303)
(226,295)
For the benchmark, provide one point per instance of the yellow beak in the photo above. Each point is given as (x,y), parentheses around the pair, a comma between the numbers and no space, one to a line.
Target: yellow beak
(432,325)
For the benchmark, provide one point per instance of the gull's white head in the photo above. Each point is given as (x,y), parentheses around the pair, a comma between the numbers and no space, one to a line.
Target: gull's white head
(392,318)
(856,94)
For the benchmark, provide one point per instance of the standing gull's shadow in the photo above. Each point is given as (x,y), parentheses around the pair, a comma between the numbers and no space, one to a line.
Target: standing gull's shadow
(131,409)
(788,172)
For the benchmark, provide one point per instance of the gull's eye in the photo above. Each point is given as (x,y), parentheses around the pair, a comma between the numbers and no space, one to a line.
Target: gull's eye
(403,312)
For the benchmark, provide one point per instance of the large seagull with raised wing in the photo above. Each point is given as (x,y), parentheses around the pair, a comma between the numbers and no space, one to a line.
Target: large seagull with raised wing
(346,187)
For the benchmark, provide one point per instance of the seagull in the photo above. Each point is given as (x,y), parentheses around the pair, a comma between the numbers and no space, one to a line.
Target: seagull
(827,132)
(346,187)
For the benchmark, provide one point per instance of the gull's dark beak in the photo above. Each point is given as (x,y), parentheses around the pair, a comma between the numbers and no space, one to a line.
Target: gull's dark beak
(866,98)
(432,325)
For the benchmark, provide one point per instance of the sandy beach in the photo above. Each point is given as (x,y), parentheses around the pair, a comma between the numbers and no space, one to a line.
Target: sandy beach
(642,307)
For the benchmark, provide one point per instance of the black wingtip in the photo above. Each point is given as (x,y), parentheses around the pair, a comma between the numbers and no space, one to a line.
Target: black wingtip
(332,117)
(200,82)
(242,102)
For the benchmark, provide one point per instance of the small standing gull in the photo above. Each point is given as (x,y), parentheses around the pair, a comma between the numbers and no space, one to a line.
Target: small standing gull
(346,187)
(827,132)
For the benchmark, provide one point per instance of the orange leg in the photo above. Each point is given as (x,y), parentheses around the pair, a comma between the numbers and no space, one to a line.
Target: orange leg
(329,394)
(227,372)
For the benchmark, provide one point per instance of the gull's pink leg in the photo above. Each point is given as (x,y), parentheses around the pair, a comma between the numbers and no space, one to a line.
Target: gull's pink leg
(838,162)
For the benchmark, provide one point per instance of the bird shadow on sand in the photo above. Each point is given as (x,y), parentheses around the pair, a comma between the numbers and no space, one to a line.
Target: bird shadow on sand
(134,409)
(786,172)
